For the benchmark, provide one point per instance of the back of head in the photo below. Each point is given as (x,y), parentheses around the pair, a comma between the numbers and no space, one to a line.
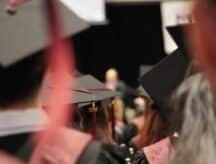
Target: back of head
(21,80)
(195,107)
(102,121)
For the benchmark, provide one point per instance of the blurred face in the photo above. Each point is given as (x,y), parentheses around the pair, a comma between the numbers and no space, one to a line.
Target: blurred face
(140,103)
(111,76)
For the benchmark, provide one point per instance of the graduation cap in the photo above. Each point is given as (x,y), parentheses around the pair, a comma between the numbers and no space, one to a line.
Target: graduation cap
(87,91)
(163,79)
(144,69)
(90,90)
(99,93)
(177,33)
(142,92)
(21,122)
(96,87)
(25,32)
(22,35)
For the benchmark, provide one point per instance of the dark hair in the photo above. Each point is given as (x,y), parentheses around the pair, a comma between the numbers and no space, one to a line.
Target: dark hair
(154,129)
(155,126)
(20,80)
(102,121)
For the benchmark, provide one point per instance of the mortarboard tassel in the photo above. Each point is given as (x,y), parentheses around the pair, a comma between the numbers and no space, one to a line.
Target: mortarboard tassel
(10,8)
(112,116)
(113,124)
(60,62)
(93,111)
(58,144)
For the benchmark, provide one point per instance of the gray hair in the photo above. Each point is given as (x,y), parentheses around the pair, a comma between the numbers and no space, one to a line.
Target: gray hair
(197,142)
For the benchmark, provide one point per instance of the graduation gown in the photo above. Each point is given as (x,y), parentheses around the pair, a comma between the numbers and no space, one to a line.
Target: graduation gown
(72,147)
(158,153)
(66,146)
(139,158)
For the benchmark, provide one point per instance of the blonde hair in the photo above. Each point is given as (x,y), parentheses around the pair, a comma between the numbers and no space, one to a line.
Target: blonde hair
(197,143)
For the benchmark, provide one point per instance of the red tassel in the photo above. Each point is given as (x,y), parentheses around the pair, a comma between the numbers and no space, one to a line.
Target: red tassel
(94,125)
(112,113)
(60,61)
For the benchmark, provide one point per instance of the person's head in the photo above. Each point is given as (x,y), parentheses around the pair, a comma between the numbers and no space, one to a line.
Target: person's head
(195,107)
(21,80)
(111,76)
(201,42)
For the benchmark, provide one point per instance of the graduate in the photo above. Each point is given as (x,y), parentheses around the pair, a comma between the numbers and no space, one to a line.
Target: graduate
(197,95)
(158,132)
(94,106)
(22,71)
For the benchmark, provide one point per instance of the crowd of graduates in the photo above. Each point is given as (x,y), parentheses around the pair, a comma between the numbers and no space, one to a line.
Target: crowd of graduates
(52,114)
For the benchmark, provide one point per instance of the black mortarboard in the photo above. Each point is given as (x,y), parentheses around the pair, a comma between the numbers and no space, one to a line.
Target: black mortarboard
(86,89)
(142,92)
(163,79)
(79,96)
(177,33)
(96,87)
(99,93)
(90,89)
(144,69)
(24,33)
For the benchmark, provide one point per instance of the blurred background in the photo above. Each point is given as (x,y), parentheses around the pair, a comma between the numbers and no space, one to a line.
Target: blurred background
(133,35)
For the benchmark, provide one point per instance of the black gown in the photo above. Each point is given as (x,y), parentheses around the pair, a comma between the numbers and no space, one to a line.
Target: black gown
(139,158)
(103,154)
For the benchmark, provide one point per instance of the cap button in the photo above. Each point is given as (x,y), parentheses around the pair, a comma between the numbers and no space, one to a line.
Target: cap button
(128,160)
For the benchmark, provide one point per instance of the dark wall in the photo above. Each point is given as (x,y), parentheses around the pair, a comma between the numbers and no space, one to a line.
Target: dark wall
(132,37)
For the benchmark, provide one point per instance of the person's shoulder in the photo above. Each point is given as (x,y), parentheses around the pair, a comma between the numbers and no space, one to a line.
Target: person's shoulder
(111,154)
(91,154)
(66,145)
(100,153)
